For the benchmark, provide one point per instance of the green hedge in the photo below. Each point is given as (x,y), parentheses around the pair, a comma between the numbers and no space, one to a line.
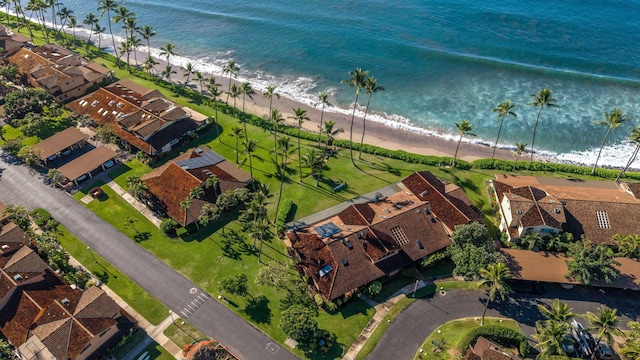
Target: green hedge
(499,334)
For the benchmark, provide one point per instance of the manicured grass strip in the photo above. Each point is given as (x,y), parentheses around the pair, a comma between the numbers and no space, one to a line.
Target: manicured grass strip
(130,341)
(346,324)
(183,333)
(133,167)
(449,336)
(139,299)
(388,319)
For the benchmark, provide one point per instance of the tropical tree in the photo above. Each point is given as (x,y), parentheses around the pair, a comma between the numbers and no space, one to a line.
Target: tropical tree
(634,138)
(168,51)
(73,24)
(276,119)
(55,176)
(550,336)
(212,183)
(285,149)
(300,115)
(314,160)
(237,132)
(259,230)
(149,64)
(166,73)
(214,92)
(185,205)
(200,79)
(90,20)
(123,14)
(107,6)
(137,187)
(370,87)
(494,279)
(605,322)
(330,132)
(627,245)
(590,262)
(464,128)
(99,30)
(130,222)
(357,81)
(31,156)
(147,33)
(541,99)
(269,93)
(6,350)
(324,101)
(235,91)
(134,43)
(557,311)
(64,14)
(246,90)
(249,148)
(504,111)
(232,69)
(188,71)
(612,121)
(631,347)
(519,150)
(299,323)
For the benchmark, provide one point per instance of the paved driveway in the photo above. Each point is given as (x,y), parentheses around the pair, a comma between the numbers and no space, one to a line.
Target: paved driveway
(170,287)
(405,336)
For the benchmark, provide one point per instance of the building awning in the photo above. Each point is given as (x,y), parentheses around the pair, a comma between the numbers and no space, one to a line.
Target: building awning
(60,141)
(87,162)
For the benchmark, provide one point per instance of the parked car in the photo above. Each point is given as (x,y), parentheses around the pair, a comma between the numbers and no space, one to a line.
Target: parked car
(568,345)
(66,152)
(603,351)
(81,178)
(52,157)
(109,164)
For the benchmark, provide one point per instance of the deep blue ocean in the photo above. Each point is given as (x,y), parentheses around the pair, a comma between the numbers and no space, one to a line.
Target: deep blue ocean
(440,61)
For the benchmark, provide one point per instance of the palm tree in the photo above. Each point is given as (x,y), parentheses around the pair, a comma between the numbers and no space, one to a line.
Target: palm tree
(284,147)
(541,99)
(125,47)
(99,30)
(137,187)
(503,110)
(246,90)
(612,120)
(330,133)
(237,133)
(123,15)
(249,148)
(168,70)
(106,6)
(215,93)
(558,311)
(300,115)
(188,71)
(605,322)
(356,81)
(235,91)
(73,24)
(550,337)
(634,138)
(185,205)
(370,87)
(520,149)
(464,128)
(200,79)
(276,119)
(149,64)
(314,160)
(494,279)
(147,33)
(269,93)
(196,193)
(259,230)
(232,69)
(134,44)
(64,14)
(90,20)
(324,101)
(631,349)
(130,222)
(212,183)
(168,51)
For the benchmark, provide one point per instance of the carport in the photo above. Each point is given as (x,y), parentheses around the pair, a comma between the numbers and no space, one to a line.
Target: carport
(65,139)
(87,163)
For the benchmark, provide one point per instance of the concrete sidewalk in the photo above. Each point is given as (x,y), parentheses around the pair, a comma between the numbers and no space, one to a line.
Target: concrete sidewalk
(135,203)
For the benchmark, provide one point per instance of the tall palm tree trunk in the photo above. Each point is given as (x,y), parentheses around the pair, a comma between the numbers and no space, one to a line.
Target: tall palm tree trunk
(299,157)
(533,141)
(321,118)
(283,170)
(364,126)
(595,164)
(484,312)
(493,155)
(353,117)
(631,160)
(455,156)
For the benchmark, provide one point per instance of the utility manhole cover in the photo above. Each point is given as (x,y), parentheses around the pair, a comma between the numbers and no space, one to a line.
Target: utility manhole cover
(193,291)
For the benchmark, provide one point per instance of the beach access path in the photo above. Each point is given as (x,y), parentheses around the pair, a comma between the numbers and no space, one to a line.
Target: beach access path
(180,294)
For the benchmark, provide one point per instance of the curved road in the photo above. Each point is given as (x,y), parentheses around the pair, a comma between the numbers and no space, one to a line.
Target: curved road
(405,336)
(170,287)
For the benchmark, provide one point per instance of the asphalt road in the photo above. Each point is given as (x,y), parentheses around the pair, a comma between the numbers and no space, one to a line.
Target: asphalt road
(405,336)
(181,295)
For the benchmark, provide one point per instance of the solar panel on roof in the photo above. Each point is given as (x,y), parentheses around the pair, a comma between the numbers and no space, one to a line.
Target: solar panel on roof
(207,158)
(325,270)
(327,230)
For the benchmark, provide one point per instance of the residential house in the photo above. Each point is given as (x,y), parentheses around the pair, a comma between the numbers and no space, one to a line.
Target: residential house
(58,71)
(44,318)
(596,209)
(485,349)
(368,241)
(141,117)
(171,183)
(11,42)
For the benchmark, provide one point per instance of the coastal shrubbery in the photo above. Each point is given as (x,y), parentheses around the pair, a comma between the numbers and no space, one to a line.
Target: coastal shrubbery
(499,334)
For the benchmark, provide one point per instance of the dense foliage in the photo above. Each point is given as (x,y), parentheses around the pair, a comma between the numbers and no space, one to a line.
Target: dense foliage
(499,334)
(472,250)
(590,262)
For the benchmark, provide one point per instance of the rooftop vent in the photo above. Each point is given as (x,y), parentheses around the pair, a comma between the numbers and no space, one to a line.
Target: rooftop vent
(419,245)
(95,103)
(65,301)
(111,102)
(433,220)
(344,262)
(17,277)
(5,247)
(519,212)
(424,193)
(427,211)
(348,244)
(198,150)
(556,210)
(603,220)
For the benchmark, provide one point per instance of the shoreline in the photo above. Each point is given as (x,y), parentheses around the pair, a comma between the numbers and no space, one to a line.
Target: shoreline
(377,133)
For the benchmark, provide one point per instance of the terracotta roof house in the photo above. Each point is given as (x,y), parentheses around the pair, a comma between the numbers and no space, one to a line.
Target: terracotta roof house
(365,242)
(60,72)
(69,138)
(485,349)
(552,267)
(596,209)
(140,117)
(11,42)
(171,183)
(42,316)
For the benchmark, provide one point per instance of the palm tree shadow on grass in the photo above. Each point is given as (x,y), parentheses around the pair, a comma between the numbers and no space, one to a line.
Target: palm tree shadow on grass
(258,310)
(141,236)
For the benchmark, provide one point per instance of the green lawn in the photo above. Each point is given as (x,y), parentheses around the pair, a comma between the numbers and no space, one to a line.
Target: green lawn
(139,299)
(11,133)
(450,336)
(183,333)
(132,168)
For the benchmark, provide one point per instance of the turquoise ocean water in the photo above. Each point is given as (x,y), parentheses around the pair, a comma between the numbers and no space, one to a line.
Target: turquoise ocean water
(440,61)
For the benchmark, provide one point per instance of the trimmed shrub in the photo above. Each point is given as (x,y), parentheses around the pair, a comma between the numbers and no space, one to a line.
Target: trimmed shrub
(374,288)
(40,216)
(182,232)
(168,226)
(499,334)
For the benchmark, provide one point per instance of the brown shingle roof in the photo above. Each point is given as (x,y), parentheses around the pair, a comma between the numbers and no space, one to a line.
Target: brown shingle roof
(87,162)
(359,269)
(60,141)
(25,260)
(314,255)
